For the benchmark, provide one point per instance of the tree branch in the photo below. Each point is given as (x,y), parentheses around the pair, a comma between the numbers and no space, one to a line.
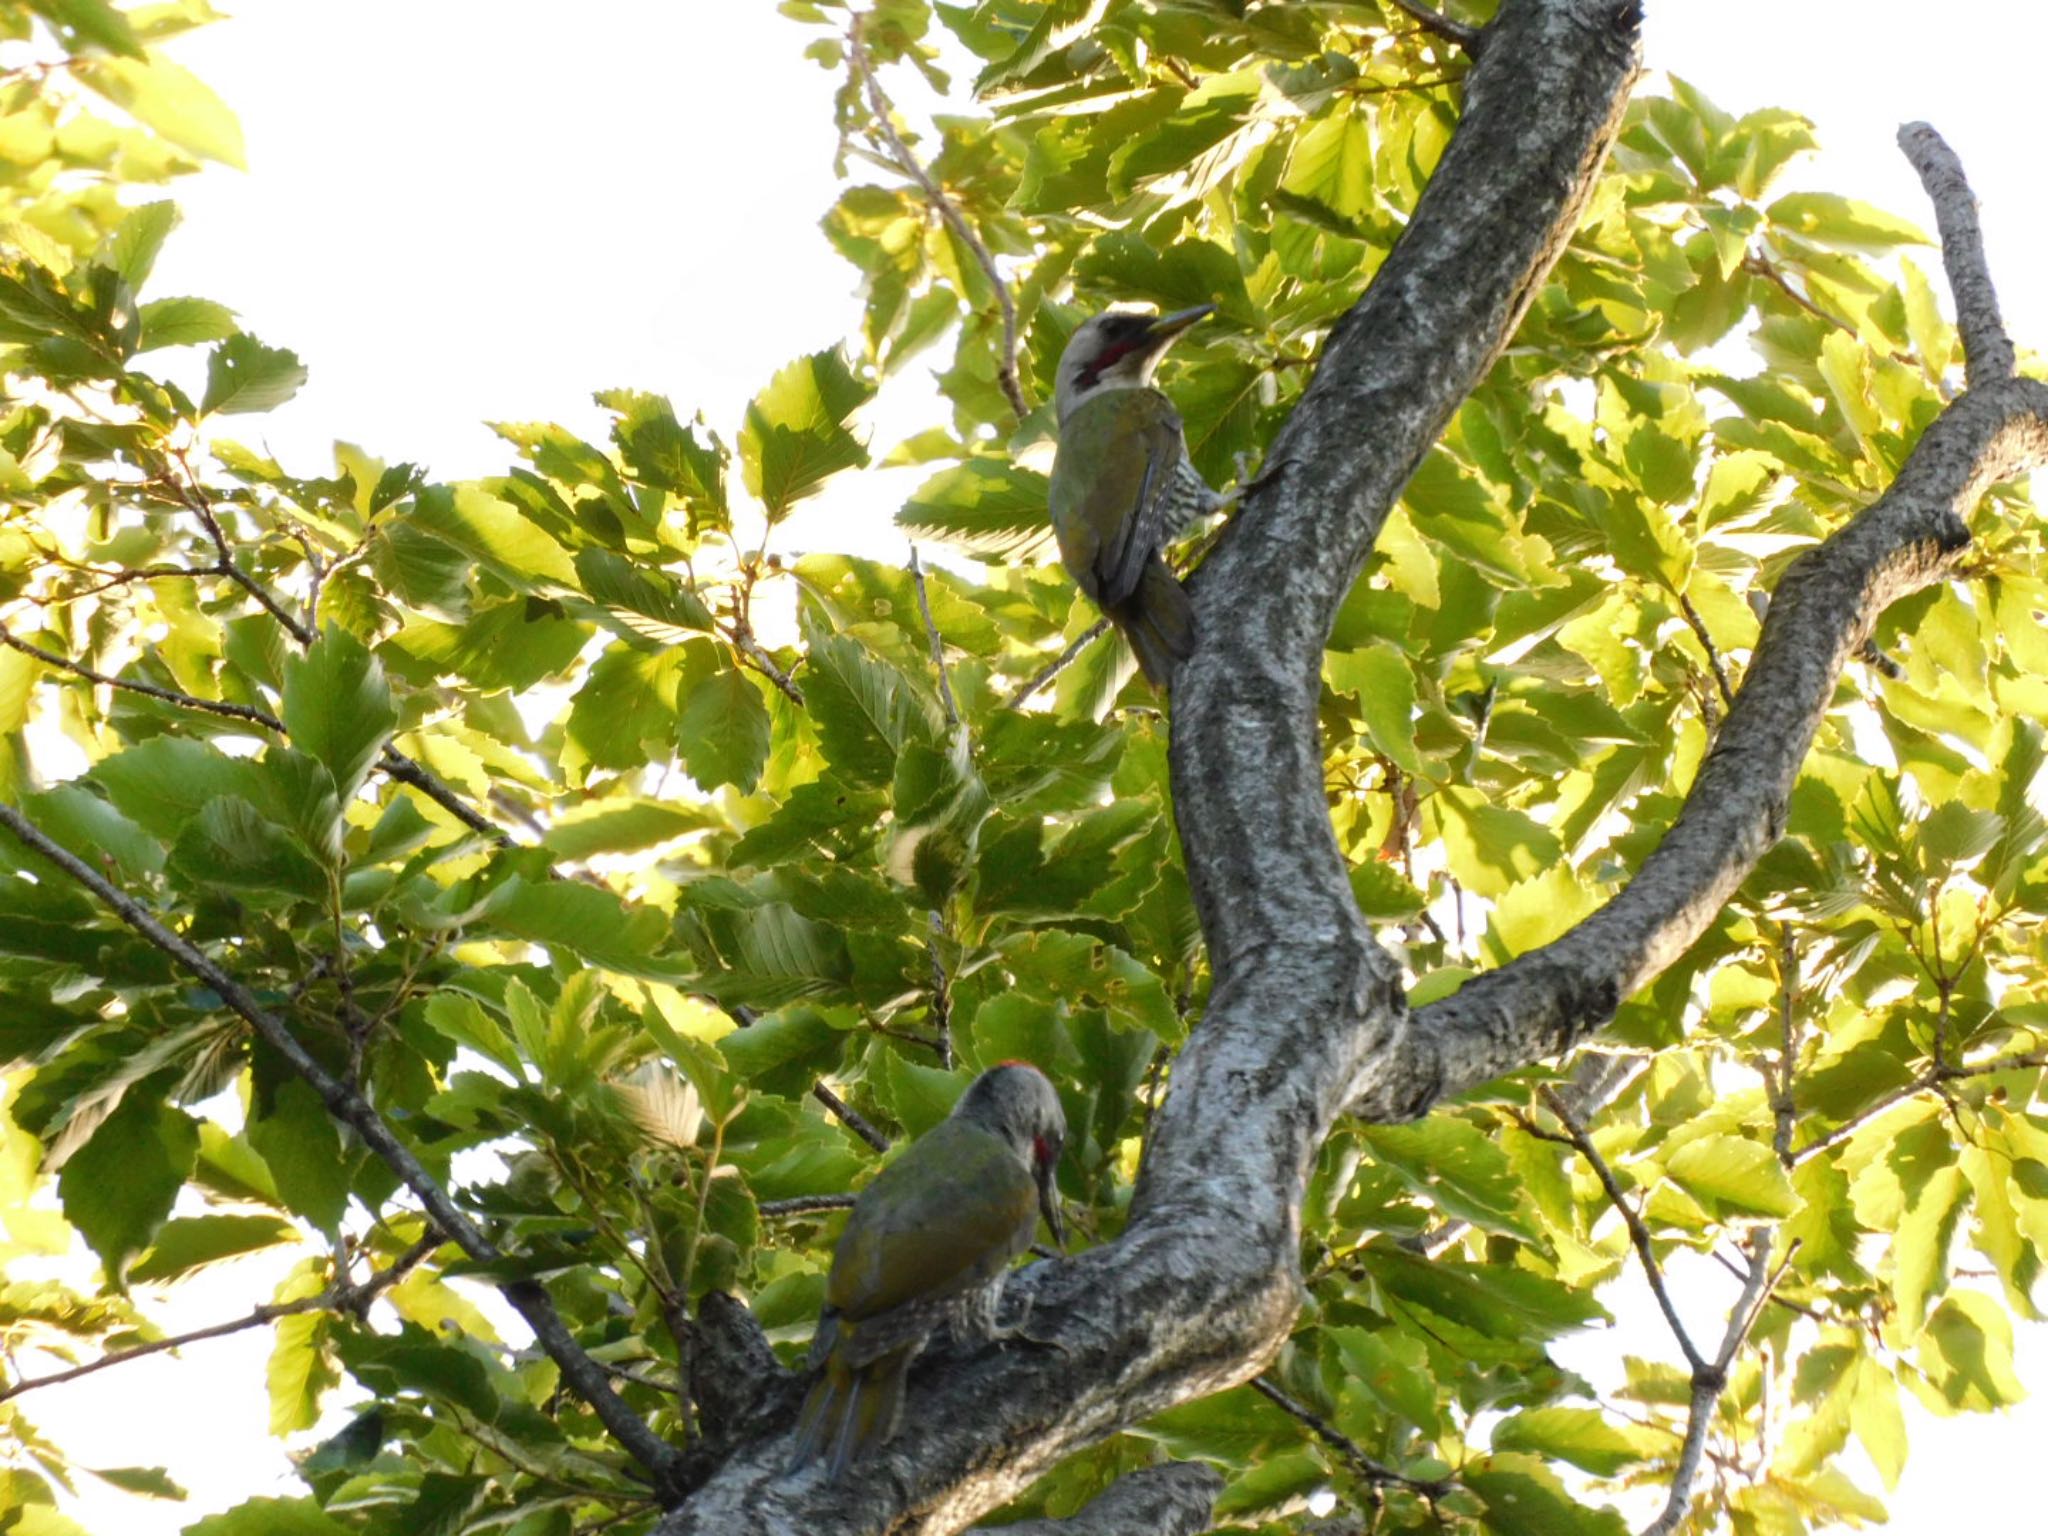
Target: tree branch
(1987,350)
(245,712)
(1638,1233)
(1059,663)
(343,1296)
(1375,1472)
(1202,1287)
(1823,610)
(908,164)
(528,1298)
(850,1117)
(1437,24)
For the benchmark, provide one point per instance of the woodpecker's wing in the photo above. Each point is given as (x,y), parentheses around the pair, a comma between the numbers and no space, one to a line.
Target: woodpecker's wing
(945,1216)
(1111,485)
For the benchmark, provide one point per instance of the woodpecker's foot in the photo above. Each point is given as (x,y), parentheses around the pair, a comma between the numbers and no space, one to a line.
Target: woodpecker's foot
(1247,482)
(1019,1331)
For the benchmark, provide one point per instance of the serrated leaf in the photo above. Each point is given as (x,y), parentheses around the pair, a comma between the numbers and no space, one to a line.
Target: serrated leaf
(338,707)
(795,437)
(1733,1176)
(119,1186)
(244,376)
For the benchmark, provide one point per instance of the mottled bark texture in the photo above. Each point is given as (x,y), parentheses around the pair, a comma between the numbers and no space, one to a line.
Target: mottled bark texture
(1202,1288)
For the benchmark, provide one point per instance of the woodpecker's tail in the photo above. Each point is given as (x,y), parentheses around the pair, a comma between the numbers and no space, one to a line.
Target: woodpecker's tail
(1159,622)
(850,1411)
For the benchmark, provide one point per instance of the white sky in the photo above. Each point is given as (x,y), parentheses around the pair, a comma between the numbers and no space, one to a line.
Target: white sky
(463,210)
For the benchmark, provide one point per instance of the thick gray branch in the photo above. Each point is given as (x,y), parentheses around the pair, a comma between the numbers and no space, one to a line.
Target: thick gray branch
(1173,1500)
(1820,615)
(1201,1288)
(1987,350)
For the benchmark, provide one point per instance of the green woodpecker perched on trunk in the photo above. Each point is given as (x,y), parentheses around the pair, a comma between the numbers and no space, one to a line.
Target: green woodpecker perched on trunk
(927,1246)
(1122,486)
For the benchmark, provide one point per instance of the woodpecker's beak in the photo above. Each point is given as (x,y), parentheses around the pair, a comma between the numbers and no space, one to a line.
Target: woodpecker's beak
(1166,327)
(1049,1199)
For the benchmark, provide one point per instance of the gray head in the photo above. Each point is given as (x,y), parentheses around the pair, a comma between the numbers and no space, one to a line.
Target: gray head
(1016,1102)
(1118,349)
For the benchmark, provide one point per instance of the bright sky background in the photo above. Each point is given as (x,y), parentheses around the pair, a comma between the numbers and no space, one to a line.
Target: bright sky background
(465,210)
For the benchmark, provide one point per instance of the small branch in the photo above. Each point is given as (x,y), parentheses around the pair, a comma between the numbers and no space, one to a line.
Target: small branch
(942,990)
(907,162)
(850,1117)
(806,1205)
(1175,1499)
(1930,1081)
(342,1296)
(1059,663)
(261,717)
(1710,1381)
(1987,350)
(742,637)
(408,770)
(1439,25)
(1638,1233)
(1699,629)
(931,629)
(1375,1472)
(1784,1108)
(188,493)
(528,1298)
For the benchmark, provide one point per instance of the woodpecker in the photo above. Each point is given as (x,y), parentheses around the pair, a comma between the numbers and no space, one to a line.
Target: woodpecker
(927,1246)
(1122,486)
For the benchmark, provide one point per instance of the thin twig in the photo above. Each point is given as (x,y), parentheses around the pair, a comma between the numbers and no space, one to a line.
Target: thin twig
(1784,1108)
(804,1205)
(907,162)
(1699,629)
(1059,663)
(742,636)
(938,645)
(353,1296)
(1709,1381)
(1439,25)
(1372,1471)
(254,716)
(1930,1081)
(1987,350)
(527,1297)
(850,1117)
(1638,1233)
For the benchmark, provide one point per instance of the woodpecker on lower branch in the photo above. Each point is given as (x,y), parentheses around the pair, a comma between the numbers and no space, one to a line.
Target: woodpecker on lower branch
(1122,486)
(927,1246)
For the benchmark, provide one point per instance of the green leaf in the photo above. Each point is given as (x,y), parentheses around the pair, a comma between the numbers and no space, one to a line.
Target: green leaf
(1582,1436)
(723,731)
(661,451)
(190,1243)
(1843,223)
(795,437)
(170,99)
(118,1187)
(1380,679)
(1733,1176)
(338,707)
(270,1517)
(1966,1356)
(1460,1170)
(232,845)
(182,322)
(132,248)
(92,21)
(1525,1498)
(654,603)
(865,710)
(244,376)
(987,507)
(1491,847)
(302,1148)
